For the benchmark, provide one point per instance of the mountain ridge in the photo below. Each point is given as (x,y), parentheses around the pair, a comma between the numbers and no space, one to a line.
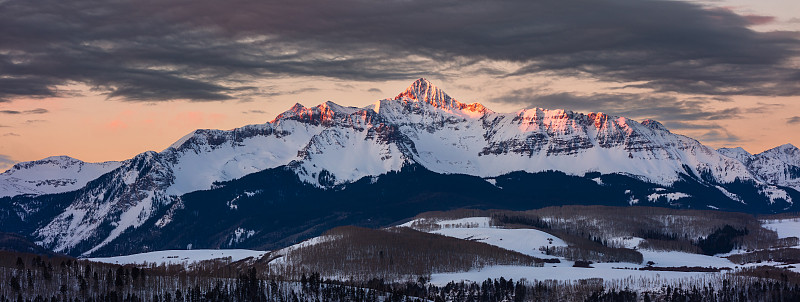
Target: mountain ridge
(330,146)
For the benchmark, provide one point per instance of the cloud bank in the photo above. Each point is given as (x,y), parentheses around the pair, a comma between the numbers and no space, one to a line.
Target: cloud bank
(204,50)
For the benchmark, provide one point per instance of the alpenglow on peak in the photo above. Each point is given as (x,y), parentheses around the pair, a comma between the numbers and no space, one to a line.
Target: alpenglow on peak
(424,91)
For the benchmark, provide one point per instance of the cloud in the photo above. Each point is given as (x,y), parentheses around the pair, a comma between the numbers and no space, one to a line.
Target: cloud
(33,111)
(793,120)
(11,134)
(6,162)
(375,90)
(35,121)
(719,136)
(254,112)
(204,50)
(692,126)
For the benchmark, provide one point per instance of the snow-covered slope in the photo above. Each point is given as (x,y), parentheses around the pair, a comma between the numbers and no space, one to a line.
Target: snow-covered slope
(55,174)
(737,153)
(346,143)
(106,207)
(786,153)
(779,165)
(525,241)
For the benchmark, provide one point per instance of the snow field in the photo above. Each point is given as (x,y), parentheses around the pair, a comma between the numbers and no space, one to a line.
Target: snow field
(184,257)
(528,241)
(784,227)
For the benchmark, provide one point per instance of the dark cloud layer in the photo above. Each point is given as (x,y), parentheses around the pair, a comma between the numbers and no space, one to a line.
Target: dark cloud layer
(793,120)
(210,50)
(255,111)
(32,111)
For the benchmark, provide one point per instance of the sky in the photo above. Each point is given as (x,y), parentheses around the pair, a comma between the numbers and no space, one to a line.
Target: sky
(106,80)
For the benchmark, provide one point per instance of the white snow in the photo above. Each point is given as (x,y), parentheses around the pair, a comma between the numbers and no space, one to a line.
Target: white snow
(56,174)
(457,143)
(199,170)
(784,227)
(669,196)
(675,259)
(562,272)
(349,155)
(133,217)
(469,222)
(184,257)
(777,165)
(239,235)
(526,241)
(627,242)
(737,153)
(729,194)
(774,193)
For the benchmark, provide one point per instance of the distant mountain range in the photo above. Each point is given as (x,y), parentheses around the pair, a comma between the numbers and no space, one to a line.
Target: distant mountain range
(313,168)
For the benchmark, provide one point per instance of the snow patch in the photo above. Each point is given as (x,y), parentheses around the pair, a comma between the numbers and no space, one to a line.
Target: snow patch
(184,257)
(132,218)
(729,194)
(774,193)
(669,196)
(784,227)
(240,235)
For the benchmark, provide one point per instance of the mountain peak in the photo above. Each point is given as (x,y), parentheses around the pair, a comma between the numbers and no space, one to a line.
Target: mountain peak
(655,125)
(786,153)
(325,113)
(737,153)
(424,91)
(787,147)
(62,161)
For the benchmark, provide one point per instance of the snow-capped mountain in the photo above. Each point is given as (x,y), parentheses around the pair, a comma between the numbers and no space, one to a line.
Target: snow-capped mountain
(330,147)
(452,137)
(325,145)
(779,165)
(55,174)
